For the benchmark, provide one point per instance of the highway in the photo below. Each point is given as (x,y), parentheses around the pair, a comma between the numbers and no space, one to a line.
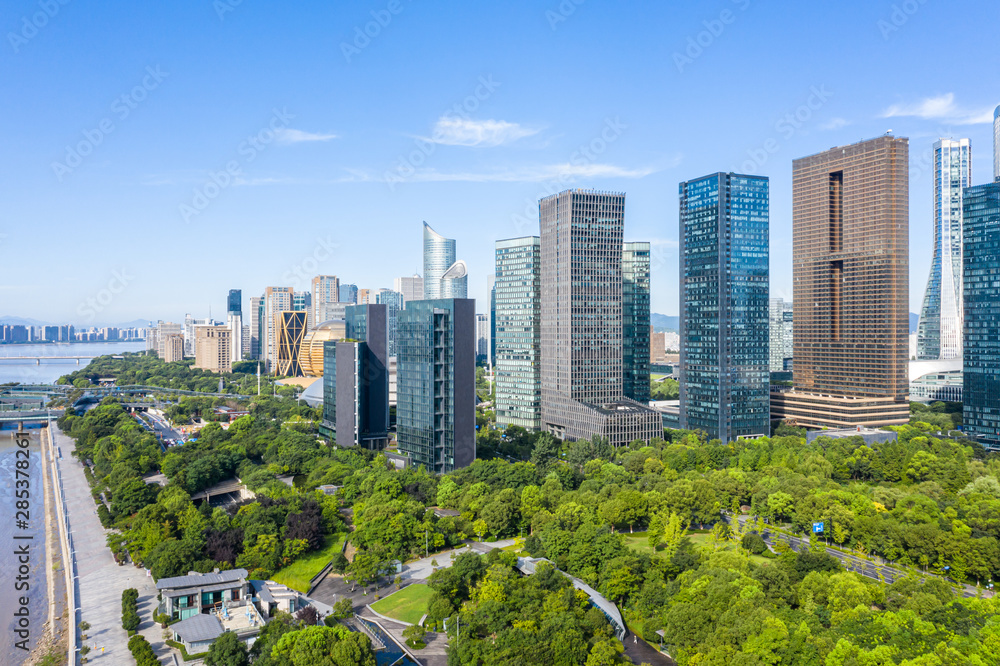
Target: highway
(853,562)
(158,426)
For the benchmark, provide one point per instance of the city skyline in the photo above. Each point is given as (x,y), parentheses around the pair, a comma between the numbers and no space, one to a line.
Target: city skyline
(475,173)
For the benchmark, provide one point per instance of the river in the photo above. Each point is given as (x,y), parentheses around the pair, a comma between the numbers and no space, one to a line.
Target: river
(36,594)
(47,371)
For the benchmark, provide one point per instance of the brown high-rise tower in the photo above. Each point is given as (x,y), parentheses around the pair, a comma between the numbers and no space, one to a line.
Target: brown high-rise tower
(850,224)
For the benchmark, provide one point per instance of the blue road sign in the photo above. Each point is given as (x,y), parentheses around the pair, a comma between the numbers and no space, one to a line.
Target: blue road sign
(817,528)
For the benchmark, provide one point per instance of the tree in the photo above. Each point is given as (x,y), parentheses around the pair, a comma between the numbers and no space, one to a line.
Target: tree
(309,615)
(324,646)
(343,608)
(414,635)
(227,650)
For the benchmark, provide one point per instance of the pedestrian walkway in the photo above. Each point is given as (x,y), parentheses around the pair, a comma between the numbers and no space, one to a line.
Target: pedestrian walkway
(100,581)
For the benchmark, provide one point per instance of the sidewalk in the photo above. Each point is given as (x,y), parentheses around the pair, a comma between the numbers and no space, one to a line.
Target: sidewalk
(100,581)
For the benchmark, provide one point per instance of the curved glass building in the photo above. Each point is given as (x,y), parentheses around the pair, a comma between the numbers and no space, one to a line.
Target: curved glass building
(939,334)
(439,255)
(455,281)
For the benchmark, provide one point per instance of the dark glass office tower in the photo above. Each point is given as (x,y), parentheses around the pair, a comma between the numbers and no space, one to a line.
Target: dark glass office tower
(356,380)
(981,265)
(235,302)
(635,321)
(724,326)
(436,383)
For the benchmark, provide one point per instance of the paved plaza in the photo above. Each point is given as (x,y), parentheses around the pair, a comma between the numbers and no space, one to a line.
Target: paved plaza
(100,580)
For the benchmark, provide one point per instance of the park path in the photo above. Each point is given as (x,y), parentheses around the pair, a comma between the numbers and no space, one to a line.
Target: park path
(99,579)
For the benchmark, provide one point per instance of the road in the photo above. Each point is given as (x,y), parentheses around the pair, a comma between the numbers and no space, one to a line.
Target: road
(158,426)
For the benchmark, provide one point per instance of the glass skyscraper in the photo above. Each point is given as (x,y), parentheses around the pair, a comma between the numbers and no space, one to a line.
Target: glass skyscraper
(981,359)
(348,293)
(393,301)
(939,334)
(435,383)
(635,321)
(443,276)
(516,336)
(724,326)
(356,380)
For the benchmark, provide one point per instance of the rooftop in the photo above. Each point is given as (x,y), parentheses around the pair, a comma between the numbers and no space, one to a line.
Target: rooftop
(194,579)
(201,627)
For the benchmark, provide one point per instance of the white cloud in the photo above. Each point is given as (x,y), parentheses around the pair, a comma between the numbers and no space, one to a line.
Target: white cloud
(834,124)
(942,107)
(450,131)
(286,136)
(533,174)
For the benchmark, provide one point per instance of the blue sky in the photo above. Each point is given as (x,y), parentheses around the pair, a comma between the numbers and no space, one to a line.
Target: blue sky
(242,144)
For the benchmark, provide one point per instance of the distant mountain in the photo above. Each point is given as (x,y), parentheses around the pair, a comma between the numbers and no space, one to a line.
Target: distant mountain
(21,321)
(136,323)
(914,320)
(661,322)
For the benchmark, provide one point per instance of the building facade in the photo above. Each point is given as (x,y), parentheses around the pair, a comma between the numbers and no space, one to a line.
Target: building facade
(412,288)
(517,315)
(173,348)
(292,326)
(356,380)
(349,293)
(443,276)
(257,327)
(724,323)
(850,219)
(482,339)
(635,321)
(276,301)
(325,290)
(776,334)
(213,348)
(435,383)
(234,319)
(981,361)
(581,329)
(939,333)
(393,302)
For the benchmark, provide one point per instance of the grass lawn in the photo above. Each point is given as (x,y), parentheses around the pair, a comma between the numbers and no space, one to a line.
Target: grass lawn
(298,574)
(407,605)
(639,543)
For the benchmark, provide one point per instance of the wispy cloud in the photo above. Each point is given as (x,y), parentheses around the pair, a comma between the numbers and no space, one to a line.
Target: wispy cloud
(451,131)
(535,174)
(834,124)
(942,107)
(285,135)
